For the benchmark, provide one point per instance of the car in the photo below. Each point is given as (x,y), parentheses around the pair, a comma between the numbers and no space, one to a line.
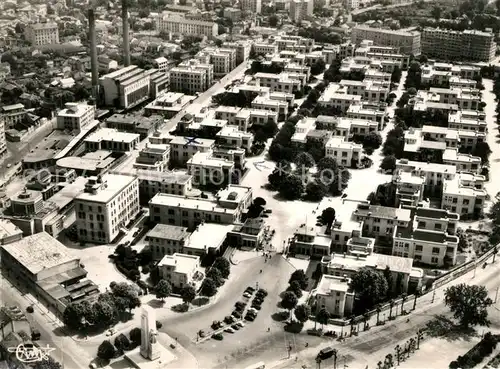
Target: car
(236,327)
(250,318)
(241,324)
(253,310)
(216,324)
(136,233)
(268,211)
(250,289)
(240,305)
(218,336)
(229,330)
(256,306)
(236,314)
(247,295)
(229,319)
(260,295)
(257,300)
(262,291)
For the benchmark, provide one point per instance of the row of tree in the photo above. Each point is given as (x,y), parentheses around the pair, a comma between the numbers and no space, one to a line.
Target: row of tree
(215,276)
(107,351)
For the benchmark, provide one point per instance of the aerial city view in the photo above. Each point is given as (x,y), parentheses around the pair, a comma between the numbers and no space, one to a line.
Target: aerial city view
(249,184)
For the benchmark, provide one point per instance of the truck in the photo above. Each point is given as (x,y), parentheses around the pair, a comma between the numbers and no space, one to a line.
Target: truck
(326,353)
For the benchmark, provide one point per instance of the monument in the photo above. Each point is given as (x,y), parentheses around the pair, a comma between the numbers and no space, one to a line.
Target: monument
(151,354)
(149,347)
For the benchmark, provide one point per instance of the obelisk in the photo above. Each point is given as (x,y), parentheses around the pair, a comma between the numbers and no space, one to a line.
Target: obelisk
(149,346)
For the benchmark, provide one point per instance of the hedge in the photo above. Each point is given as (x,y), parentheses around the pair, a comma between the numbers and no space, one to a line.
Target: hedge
(476,354)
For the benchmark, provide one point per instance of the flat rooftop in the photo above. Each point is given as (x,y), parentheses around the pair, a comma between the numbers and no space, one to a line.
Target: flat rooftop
(330,283)
(113,135)
(209,235)
(38,252)
(115,183)
(166,177)
(7,228)
(183,263)
(168,232)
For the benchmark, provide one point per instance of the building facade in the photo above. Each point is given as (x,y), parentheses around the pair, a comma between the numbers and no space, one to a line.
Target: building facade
(407,42)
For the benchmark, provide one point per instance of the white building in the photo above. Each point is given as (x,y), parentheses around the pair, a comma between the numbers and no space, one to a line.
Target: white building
(112,140)
(227,208)
(180,270)
(208,170)
(300,10)
(75,117)
(161,64)
(153,182)
(125,87)
(13,115)
(346,153)
(334,294)
(108,204)
(337,97)
(464,195)
(184,148)
(254,6)
(42,34)
(153,158)
(178,23)
(191,77)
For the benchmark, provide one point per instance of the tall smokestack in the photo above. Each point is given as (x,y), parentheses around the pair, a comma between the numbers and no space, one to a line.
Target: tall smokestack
(93,55)
(126,42)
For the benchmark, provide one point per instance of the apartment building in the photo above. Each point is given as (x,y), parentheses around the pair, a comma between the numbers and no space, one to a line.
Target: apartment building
(126,87)
(294,43)
(278,82)
(106,206)
(386,56)
(153,182)
(266,103)
(42,34)
(452,75)
(223,60)
(75,117)
(265,48)
(429,238)
(301,10)
(232,13)
(232,136)
(178,23)
(111,140)
(370,90)
(159,82)
(13,115)
(153,158)
(184,148)
(467,45)
(336,96)
(253,6)
(165,239)
(226,208)
(161,64)
(242,48)
(408,42)
(168,104)
(464,98)
(208,170)
(465,195)
(245,118)
(463,162)
(409,189)
(453,138)
(376,112)
(380,220)
(467,120)
(191,77)
(180,270)
(348,154)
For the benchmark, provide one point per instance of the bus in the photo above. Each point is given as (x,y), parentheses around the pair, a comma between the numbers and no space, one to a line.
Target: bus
(259,365)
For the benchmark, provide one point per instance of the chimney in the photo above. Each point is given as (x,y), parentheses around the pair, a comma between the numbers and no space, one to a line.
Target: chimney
(126,43)
(93,55)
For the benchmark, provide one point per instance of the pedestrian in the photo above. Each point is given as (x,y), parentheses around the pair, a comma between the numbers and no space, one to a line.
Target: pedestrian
(296,358)
(268,329)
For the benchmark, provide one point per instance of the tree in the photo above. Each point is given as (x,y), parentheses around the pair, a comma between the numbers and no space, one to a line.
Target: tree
(494,252)
(72,316)
(223,265)
(388,164)
(327,216)
(482,150)
(259,201)
(208,287)
(106,350)
(304,159)
(122,343)
(47,363)
(396,75)
(188,294)
(273,20)
(315,191)
(318,67)
(372,140)
(436,12)
(300,276)
(292,187)
(163,289)
(295,288)
(289,301)
(105,313)
(469,304)
(370,287)
(416,295)
(215,275)
(322,317)
(391,305)
(404,297)
(378,308)
(302,312)
(136,336)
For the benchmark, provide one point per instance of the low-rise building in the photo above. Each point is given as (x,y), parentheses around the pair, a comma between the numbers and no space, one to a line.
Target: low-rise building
(335,295)
(409,189)
(178,23)
(13,115)
(467,120)
(346,153)
(180,270)
(465,195)
(111,140)
(191,77)
(433,174)
(75,116)
(448,75)
(144,126)
(169,104)
(232,137)
(184,148)
(376,112)
(208,170)
(463,162)
(337,97)
(126,87)
(227,208)
(153,182)
(153,158)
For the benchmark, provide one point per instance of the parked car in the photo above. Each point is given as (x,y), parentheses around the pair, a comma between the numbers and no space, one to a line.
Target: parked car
(250,289)
(229,319)
(326,353)
(240,305)
(256,306)
(229,330)
(252,310)
(216,325)
(236,327)
(268,211)
(236,314)
(218,336)
(262,291)
(241,324)
(247,295)
(258,300)
(249,317)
